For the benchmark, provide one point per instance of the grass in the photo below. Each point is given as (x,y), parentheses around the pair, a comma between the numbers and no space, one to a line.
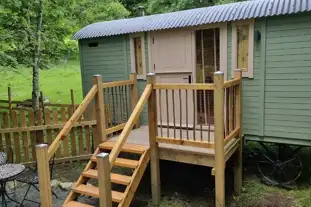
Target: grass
(55,83)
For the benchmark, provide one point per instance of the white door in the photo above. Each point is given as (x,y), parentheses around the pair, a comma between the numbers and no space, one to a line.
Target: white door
(172,59)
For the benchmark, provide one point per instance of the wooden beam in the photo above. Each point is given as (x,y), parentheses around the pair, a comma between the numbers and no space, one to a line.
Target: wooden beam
(219,138)
(117,83)
(231,83)
(188,157)
(134,95)
(184,142)
(115,128)
(44,175)
(100,111)
(238,170)
(193,86)
(233,134)
(154,148)
(104,182)
(45,127)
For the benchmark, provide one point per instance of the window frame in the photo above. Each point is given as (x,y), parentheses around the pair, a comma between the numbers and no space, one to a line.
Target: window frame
(250,71)
(132,53)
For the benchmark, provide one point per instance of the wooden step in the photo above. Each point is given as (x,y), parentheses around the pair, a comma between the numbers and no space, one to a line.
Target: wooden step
(126,163)
(131,148)
(115,178)
(94,192)
(75,204)
(122,162)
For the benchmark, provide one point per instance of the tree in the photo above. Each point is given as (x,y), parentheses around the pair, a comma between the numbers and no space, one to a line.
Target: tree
(36,60)
(162,6)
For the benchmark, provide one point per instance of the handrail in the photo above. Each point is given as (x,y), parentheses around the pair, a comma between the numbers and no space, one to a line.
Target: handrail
(187,86)
(129,125)
(117,83)
(233,82)
(71,122)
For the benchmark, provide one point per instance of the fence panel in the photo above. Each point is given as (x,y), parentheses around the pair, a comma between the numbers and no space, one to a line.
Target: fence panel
(19,131)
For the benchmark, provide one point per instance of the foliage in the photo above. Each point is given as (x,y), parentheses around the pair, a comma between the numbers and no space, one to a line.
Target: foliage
(61,18)
(162,6)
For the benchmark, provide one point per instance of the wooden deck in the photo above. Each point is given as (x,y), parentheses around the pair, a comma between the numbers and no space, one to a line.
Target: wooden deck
(180,153)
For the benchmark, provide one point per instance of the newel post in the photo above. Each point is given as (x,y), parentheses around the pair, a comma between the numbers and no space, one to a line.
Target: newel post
(238,169)
(219,138)
(104,182)
(154,148)
(100,111)
(134,95)
(44,174)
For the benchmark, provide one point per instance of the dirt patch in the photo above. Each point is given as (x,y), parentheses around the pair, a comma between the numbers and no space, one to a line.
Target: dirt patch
(277,200)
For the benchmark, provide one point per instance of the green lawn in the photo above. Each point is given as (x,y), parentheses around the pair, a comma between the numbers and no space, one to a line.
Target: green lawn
(55,83)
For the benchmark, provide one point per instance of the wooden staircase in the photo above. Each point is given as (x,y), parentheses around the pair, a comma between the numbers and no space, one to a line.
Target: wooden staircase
(130,182)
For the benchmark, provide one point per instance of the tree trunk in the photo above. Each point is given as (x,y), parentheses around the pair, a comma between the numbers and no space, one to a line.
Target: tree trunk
(35,71)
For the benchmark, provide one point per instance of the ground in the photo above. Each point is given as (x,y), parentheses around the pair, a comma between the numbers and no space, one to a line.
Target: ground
(182,185)
(192,186)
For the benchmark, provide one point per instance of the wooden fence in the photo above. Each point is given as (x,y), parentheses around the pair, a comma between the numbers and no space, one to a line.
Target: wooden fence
(18,131)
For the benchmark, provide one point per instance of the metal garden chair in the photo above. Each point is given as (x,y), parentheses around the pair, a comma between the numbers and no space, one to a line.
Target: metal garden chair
(30,177)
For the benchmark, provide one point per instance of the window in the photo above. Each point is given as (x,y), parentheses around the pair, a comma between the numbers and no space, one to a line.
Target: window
(137,56)
(242,47)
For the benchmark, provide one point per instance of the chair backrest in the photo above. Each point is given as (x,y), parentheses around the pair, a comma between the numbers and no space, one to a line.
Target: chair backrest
(6,154)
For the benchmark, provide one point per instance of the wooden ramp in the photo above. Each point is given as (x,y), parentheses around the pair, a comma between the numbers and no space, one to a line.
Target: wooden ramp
(130,182)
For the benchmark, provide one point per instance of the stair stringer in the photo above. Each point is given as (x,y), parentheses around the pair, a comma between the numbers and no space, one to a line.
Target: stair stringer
(137,175)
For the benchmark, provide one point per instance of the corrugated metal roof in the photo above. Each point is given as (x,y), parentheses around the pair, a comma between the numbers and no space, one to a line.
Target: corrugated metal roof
(195,17)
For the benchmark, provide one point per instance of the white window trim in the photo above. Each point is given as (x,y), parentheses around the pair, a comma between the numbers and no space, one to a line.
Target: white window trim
(234,62)
(132,51)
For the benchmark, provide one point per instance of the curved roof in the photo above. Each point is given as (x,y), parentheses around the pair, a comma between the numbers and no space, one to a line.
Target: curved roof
(194,17)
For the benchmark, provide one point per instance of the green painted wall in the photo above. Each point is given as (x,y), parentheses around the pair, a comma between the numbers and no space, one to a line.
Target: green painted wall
(277,101)
(109,59)
(288,77)
(112,60)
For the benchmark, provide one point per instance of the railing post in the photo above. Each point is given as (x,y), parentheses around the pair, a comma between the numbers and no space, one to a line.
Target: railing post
(104,182)
(134,95)
(154,148)
(100,111)
(238,169)
(44,174)
(219,138)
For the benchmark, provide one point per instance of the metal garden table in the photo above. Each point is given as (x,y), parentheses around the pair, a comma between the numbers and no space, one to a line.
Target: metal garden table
(7,173)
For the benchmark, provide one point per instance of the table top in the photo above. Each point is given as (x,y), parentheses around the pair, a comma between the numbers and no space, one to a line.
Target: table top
(10,170)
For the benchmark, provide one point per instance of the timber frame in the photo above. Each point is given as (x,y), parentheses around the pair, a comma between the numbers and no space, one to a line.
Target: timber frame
(211,146)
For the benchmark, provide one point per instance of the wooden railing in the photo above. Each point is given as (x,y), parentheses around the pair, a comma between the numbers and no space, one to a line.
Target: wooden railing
(187,113)
(100,93)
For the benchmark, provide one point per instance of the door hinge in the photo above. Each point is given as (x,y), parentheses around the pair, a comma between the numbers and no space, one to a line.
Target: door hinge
(153,40)
(153,66)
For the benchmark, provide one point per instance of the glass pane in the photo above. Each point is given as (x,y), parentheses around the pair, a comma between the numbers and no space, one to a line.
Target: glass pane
(138,56)
(242,46)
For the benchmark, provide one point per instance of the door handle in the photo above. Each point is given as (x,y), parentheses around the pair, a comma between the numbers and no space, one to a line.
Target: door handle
(188,78)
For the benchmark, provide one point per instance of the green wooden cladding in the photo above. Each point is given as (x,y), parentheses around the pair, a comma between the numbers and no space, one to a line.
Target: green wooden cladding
(276,102)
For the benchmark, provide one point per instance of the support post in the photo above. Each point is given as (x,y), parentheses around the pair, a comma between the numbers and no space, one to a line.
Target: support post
(238,169)
(104,182)
(44,175)
(100,112)
(72,96)
(134,96)
(154,148)
(219,139)
(10,98)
